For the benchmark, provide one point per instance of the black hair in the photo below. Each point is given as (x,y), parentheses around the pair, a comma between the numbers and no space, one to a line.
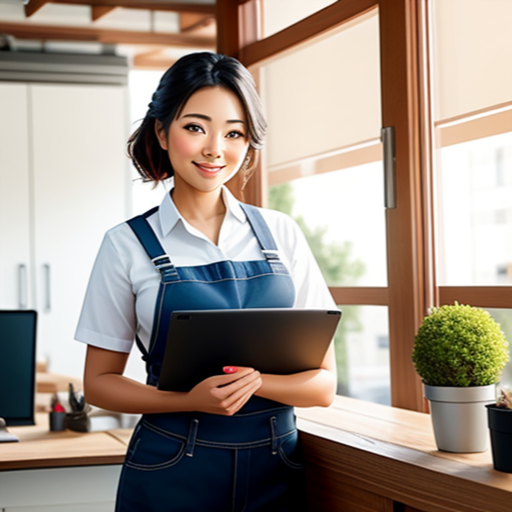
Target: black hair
(186,76)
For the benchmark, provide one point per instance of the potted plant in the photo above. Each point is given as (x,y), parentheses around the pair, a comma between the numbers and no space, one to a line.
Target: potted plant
(459,352)
(499,416)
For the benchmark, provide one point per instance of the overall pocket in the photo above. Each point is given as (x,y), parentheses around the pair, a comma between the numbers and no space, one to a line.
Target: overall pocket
(152,450)
(290,450)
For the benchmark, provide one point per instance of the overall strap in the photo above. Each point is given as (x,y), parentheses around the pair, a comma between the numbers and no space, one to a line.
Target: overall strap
(152,246)
(264,236)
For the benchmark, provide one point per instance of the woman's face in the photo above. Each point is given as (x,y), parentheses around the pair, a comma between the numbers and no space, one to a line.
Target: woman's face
(207,142)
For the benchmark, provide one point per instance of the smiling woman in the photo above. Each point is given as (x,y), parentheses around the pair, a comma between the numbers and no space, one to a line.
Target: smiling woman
(204,125)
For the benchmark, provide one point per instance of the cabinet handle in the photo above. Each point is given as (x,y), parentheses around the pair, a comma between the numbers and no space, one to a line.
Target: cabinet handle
(388,142)
(22,286)
(47,302)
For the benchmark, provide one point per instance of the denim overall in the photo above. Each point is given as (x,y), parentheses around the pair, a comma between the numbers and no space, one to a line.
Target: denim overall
(200,462)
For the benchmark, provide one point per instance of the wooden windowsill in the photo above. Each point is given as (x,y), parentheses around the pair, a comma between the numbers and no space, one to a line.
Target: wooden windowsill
(390,453)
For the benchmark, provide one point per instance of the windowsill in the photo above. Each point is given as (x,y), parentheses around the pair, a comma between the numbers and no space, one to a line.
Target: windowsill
(390,453)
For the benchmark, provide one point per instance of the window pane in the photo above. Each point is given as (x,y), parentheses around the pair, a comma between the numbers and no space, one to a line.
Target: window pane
(475,212)
(504,318)
(343,217)
(362,353)
(283,13)
(323,96)
(472,55)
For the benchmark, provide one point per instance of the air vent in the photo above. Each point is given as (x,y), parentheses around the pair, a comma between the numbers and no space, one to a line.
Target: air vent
(63,67)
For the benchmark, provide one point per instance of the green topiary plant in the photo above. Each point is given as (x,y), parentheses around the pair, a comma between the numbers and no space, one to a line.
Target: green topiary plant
(459,345)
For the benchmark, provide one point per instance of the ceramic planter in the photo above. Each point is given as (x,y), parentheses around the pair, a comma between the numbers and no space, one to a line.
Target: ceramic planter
(459,417)
(500,425)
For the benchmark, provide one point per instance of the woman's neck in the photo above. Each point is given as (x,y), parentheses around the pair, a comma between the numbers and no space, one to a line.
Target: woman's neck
(203,210)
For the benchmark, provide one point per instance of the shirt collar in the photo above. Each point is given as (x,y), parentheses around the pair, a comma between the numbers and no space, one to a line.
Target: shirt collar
(169,214)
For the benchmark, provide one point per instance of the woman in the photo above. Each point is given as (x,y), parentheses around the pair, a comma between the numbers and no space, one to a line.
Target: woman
(231,442)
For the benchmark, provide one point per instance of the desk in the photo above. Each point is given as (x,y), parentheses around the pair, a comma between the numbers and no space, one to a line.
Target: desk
(366,457)
(60,471)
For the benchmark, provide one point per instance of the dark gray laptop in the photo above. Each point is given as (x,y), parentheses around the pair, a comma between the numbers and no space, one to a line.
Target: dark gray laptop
(277,341)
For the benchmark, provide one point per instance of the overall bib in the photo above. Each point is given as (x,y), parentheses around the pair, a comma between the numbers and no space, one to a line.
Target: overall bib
(192,461)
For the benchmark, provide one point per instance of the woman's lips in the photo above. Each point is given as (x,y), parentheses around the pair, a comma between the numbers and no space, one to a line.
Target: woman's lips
(209,168)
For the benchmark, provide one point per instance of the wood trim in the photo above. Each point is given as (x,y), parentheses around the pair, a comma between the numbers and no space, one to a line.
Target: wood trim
(400,105)
(67,33)
(98,11)
(357,296)
(480,296)
(228,27)
(151,5)
(34,6)
(154,60)
(312,26)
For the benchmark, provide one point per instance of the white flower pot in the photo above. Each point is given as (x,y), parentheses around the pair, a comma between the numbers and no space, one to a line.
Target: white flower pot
(459,417)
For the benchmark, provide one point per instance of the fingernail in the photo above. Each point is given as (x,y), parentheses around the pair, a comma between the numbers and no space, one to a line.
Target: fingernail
(230,369)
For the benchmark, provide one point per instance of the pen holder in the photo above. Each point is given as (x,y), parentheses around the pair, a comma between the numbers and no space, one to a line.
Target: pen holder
(57,421)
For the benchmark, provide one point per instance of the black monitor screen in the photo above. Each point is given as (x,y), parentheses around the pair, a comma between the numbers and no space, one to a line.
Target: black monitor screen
(17,366)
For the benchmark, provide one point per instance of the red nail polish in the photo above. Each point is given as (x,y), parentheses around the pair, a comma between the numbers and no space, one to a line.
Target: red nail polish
(230,369)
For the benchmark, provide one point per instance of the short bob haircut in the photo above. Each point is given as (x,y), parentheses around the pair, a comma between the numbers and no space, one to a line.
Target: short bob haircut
(185,77)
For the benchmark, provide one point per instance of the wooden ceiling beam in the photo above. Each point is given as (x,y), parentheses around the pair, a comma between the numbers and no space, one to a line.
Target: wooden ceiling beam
(151,5)
(190,21)
(33,6)
(98,11)
(108,36)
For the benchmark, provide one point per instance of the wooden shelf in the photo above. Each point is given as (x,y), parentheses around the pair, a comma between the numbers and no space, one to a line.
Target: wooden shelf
(367,457)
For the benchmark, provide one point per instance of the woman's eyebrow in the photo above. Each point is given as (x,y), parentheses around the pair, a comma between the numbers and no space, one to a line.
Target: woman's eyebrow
(208,118)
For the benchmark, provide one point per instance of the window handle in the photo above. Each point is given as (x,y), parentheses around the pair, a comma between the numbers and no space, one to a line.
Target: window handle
(388,142)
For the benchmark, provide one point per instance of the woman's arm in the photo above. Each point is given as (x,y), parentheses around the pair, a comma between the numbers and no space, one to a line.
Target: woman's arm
(305,389)
(106,387)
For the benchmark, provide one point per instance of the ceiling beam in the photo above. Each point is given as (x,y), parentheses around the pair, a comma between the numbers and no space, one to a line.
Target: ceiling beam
(33,6)
(108,36)
(99,11)
(152,5)
(189,22)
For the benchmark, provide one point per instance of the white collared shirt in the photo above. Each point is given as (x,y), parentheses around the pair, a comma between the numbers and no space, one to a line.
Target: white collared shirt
(123,286)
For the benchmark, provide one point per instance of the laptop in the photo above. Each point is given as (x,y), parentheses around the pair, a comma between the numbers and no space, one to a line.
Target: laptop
(277,340)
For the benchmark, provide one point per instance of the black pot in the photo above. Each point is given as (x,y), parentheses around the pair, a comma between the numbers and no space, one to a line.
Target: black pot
(500,425)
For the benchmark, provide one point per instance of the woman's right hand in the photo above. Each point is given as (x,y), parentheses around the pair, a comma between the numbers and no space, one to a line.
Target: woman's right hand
(224,394)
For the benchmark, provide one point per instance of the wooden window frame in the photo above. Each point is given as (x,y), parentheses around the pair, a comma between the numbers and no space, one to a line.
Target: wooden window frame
(406,98)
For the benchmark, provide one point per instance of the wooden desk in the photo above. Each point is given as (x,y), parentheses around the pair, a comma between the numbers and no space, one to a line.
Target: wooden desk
(60,471)
(366,457)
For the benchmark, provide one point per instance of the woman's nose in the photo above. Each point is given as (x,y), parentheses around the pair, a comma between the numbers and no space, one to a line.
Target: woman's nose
(213,147)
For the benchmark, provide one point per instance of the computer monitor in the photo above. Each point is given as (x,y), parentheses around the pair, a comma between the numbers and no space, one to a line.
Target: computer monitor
(17,366)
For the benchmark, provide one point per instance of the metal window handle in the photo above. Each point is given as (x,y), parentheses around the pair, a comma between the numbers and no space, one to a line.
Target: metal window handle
(22,286)
(388,142)
(47,281)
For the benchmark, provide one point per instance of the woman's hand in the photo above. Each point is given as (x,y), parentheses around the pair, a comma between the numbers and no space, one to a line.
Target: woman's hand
(224,394)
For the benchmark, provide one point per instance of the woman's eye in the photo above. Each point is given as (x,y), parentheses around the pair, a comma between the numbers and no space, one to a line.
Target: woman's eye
(235,134)
(195,128)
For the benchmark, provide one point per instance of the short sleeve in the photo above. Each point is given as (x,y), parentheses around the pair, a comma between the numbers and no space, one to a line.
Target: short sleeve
(108,317)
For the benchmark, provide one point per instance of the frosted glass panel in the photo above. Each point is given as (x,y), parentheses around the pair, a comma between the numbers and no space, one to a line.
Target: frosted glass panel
(324,95)
(474,212)
(343,217)
(362,353)
(472,43)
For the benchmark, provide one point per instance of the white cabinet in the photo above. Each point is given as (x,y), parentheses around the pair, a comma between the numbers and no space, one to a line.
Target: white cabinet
(74,489)
(63,183)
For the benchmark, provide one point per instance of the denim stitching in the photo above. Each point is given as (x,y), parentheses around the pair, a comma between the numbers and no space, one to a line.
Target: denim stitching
(161,465)
(226,279)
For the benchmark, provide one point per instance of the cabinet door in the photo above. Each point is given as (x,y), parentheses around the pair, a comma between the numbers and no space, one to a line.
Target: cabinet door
(80,175)
(15,254)
(72,489)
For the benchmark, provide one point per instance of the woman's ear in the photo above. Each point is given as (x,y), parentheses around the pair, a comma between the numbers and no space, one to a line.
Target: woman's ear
(161,135)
